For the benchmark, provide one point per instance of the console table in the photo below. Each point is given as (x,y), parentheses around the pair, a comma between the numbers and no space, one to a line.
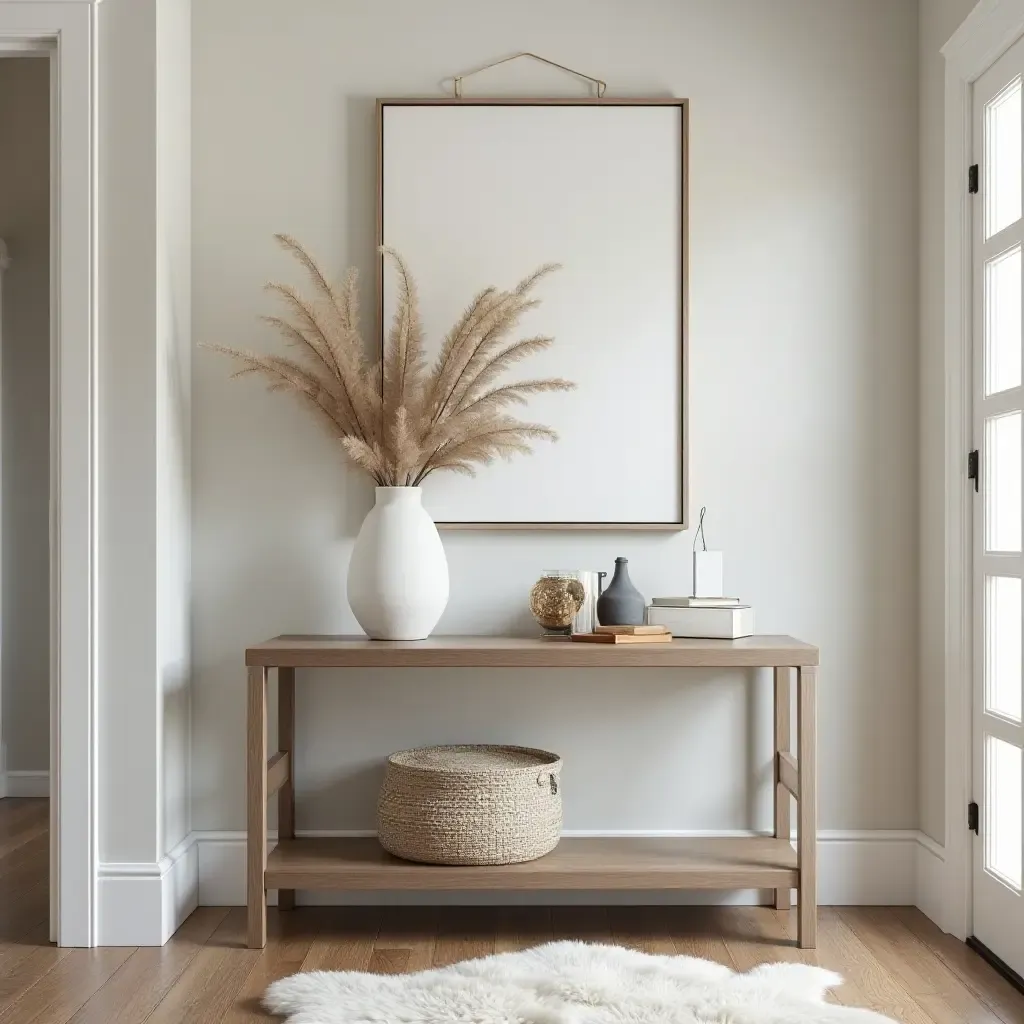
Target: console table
(767,862)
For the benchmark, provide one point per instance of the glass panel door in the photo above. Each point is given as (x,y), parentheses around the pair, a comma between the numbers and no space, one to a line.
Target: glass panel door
(999,516)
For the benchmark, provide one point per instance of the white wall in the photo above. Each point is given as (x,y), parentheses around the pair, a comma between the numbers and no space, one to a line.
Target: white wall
(803,388)
(25,407)
(145,280)
(938,20)
(147,878)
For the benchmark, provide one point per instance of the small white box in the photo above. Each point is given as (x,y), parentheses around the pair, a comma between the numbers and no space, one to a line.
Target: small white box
(707,574)
(705,623)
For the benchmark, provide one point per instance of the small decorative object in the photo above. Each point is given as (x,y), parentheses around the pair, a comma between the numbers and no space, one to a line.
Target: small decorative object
(661,636)
(707,565)
(555,600)
(400,420)
(470,804)
(707,574)
(586,618)
(621,604)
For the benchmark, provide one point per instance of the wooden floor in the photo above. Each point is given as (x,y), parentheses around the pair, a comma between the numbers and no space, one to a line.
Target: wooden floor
(895,961)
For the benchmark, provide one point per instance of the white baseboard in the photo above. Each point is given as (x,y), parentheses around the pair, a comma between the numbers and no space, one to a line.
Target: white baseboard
(854,868)
(144,904)
(30,784)
(931,879)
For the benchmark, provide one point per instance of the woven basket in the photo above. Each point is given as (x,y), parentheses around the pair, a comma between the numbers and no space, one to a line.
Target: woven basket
(470,804)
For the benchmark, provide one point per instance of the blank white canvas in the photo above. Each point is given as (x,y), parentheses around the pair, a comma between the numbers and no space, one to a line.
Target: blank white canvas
(481,195)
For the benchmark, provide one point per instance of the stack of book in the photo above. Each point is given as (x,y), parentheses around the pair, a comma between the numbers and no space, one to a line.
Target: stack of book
(714,618)
(625,635)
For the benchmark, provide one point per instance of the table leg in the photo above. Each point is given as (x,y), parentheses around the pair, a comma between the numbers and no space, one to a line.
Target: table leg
(783,744)
(808,832)
(256,801)
(286,794)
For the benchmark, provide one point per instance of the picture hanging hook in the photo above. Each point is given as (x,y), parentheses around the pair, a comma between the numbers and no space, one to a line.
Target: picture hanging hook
(599,83)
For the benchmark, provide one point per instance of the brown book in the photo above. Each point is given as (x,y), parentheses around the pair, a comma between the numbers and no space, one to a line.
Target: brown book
(622,638)
(632,630)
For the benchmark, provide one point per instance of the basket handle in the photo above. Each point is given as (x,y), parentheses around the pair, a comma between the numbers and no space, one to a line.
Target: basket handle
(548,778)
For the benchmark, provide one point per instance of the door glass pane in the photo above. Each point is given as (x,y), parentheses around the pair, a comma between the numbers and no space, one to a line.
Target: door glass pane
(1003,806)
(1003,649)
(1002,322)
(1003,159)
(1001,477)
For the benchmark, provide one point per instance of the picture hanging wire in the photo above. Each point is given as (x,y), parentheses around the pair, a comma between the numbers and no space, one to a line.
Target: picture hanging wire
(700,530)
(457,79)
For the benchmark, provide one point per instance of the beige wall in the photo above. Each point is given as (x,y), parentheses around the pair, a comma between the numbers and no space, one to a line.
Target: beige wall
(25,409)
(804,384)
(938,20)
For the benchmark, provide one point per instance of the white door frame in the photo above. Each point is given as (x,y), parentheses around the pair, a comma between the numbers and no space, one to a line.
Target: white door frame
(987,32)
(69,26)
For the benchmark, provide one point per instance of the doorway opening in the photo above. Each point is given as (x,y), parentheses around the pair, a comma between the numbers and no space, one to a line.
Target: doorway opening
(67,35)
(25,332)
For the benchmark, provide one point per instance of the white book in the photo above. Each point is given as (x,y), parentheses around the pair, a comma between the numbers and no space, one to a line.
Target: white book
(706,623)
(696,602)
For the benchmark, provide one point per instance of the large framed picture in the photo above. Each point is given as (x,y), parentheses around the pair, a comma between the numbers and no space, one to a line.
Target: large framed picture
(480,192)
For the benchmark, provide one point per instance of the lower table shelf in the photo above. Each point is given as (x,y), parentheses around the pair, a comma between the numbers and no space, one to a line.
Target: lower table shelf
(605,863)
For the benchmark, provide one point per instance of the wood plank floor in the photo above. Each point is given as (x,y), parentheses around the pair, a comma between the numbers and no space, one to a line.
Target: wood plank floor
(894,960)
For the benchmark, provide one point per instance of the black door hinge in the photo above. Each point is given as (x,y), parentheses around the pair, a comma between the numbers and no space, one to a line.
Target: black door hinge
(973,822)
(973,470)
(972,178)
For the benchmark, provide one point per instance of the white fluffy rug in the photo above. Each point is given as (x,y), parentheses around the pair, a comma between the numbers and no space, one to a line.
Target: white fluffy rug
(568,983)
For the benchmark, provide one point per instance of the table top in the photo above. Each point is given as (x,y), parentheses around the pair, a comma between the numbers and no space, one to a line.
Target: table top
(325,651)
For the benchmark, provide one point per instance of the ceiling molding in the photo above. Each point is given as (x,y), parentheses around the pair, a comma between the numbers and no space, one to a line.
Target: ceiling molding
(985,34)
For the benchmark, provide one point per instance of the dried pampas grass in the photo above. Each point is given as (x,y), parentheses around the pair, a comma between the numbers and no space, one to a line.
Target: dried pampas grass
(397,417)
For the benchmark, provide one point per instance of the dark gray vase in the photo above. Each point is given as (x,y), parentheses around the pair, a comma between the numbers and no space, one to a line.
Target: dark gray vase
(621,604)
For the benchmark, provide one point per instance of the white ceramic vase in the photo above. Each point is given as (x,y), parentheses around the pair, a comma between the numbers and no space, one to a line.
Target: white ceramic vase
(398,575)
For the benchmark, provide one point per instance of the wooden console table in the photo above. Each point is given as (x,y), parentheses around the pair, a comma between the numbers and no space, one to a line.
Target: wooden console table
(767,862)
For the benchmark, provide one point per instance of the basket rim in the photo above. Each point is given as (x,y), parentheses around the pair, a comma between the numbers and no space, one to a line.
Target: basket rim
(547,760)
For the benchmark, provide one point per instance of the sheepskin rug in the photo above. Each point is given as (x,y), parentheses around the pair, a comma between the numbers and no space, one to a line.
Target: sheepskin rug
(568,983)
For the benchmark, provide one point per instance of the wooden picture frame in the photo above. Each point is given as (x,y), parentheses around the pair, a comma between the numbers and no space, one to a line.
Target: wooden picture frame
(669,519)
